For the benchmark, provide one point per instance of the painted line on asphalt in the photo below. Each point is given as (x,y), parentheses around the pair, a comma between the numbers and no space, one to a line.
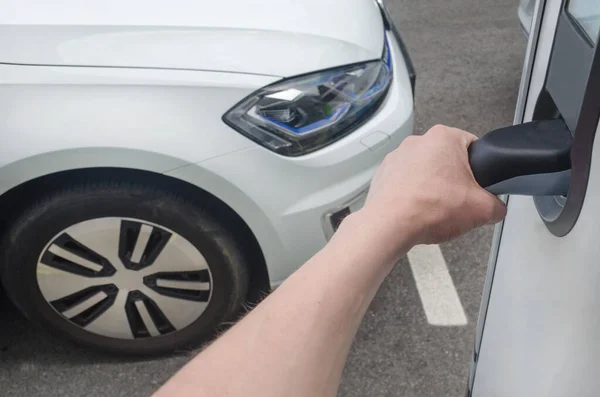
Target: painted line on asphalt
(436,289)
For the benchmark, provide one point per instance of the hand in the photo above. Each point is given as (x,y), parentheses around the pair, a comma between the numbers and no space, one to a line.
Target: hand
(426,185)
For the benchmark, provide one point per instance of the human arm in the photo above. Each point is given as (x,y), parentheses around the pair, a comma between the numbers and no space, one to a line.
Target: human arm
(295,342)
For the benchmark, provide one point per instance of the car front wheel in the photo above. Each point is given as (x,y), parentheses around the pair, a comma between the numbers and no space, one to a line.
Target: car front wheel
(124,267)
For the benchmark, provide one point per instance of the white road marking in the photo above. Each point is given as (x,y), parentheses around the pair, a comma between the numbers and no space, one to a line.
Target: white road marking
(439,297)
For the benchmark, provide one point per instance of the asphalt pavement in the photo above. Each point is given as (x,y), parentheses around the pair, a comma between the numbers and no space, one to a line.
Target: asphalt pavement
(468,55)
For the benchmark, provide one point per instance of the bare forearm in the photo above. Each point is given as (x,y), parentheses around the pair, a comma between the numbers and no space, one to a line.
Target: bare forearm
(295,343)
(296,340)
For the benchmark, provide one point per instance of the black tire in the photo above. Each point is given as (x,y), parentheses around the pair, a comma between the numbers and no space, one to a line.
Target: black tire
(29,234)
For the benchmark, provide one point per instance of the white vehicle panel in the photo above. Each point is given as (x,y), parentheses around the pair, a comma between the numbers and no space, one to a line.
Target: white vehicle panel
(271,37)
(164,113)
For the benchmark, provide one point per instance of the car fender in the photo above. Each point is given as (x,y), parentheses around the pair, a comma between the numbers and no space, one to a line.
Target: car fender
(246,208)
(25,170)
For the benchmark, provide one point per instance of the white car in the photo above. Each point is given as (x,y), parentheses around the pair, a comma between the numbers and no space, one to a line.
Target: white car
(162,163)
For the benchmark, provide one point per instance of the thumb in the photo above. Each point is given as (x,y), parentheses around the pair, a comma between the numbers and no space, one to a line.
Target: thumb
(498,209)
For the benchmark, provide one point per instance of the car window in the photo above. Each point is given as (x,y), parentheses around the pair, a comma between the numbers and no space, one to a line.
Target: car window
(587,14)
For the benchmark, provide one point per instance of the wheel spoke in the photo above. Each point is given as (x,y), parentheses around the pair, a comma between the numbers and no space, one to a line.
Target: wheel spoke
(69,255)
(193,286)
(185,285)
(178,312)
(178,255)
(56,283)
(74,259)
(141,244)
(146,319)
(100,235)
(84,306)
(113,322)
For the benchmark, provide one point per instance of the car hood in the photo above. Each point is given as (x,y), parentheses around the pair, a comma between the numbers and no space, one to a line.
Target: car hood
(269,37)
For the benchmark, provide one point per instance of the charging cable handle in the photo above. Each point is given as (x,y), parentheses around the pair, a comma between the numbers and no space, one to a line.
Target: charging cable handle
(532,159)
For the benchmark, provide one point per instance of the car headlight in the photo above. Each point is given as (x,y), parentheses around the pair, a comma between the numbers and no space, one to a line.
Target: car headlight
(302,114)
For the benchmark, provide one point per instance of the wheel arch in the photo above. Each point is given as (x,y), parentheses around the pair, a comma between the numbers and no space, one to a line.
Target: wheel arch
(17,197)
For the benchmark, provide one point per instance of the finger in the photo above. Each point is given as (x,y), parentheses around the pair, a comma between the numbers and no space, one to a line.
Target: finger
(496,209)
(499,211)
(487,208)
(466,137)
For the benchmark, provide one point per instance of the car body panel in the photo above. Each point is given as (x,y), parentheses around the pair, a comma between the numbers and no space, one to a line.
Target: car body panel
(285,38)
(172,113)
(288,222)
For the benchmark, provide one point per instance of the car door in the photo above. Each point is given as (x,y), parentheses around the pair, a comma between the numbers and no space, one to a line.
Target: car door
(538,332)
